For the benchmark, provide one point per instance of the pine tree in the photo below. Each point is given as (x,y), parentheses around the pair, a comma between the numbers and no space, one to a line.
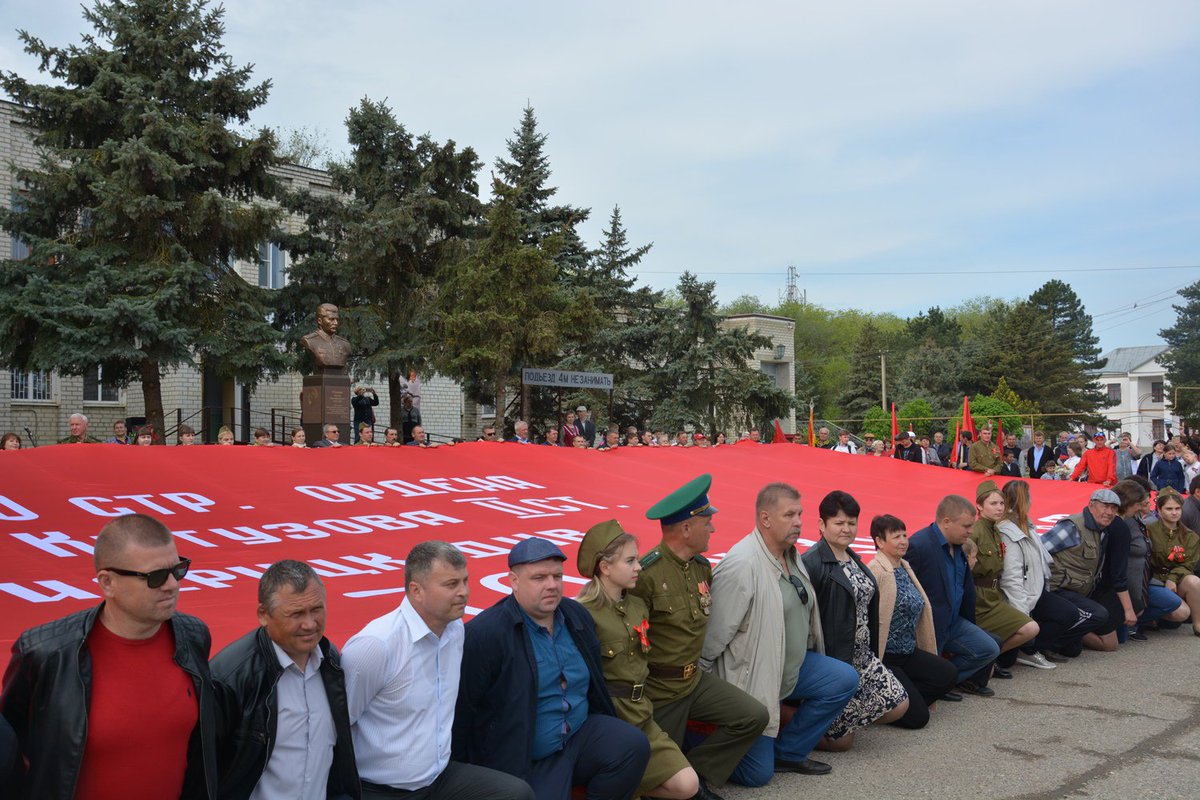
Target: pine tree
(404,209)
(1073,326)
(143,198)
(935,374)
(501,309)
(861,391)
(527,170)
(1183,359)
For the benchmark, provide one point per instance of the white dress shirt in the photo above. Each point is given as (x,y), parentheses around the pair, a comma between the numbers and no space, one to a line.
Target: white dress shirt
(401,687)
(304,734)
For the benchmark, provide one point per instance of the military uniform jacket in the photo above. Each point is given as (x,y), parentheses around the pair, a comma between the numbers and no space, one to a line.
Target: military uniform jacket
(982,456)
(623,630)
(677,595)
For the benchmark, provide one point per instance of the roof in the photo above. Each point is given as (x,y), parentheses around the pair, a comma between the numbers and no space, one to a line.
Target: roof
(1124,360)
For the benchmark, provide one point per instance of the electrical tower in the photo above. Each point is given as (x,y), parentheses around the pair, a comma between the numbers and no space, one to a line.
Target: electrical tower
(792,294)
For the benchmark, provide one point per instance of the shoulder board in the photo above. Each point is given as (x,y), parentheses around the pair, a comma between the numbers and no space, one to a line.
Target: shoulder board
(650,558)
(701,560)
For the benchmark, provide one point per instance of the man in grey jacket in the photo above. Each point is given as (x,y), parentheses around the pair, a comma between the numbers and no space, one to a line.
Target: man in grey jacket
(764,637)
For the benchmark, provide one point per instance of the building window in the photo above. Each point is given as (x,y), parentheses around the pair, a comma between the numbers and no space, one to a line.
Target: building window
(19,250)
(1156,392)
(31,386)
(95,390)
(1114,394)
(1157,430)
(271,266)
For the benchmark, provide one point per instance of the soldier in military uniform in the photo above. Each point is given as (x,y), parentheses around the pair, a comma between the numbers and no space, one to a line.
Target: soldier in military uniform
(675,584)
(983,457)
(78,424)
(609,557)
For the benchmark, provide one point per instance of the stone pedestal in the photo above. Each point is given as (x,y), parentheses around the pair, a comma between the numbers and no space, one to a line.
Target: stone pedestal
(325,399)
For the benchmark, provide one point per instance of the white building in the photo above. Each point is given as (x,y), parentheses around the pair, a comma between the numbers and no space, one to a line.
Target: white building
(1133,381)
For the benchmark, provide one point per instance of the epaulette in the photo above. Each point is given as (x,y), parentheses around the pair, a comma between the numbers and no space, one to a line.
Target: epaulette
(650,558)
(701,560)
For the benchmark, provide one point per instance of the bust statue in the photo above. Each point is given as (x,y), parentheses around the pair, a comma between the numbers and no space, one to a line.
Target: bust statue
(329,350)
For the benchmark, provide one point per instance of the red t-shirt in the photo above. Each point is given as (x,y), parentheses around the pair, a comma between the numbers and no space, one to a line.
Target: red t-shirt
(142,712)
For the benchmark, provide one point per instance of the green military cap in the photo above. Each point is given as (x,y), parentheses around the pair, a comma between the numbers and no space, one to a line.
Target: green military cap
(984,489)
(689,500)
(596,541)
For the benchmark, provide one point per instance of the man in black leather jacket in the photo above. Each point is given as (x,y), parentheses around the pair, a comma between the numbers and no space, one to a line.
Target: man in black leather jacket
(288,657)
(50,695)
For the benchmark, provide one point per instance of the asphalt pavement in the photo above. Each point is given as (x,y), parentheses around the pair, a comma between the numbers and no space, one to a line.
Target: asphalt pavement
(1105,725)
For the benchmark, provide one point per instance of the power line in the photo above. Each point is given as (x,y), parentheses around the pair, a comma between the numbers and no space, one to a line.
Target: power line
(905,273)
(1169,295)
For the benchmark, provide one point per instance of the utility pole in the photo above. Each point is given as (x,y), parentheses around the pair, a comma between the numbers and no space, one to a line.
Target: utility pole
(883,378)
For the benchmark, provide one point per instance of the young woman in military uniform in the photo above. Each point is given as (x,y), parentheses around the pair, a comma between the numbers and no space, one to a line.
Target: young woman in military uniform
(993,612)
(609,557)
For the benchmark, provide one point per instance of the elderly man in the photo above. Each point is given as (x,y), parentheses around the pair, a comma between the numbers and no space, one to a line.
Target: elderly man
(982,456)
(936,556)
(78,425)
(520,433)
(420,439)
(410,417)
(823,440)
(533,701)
(118,695)
(402,680)
(942,447)
(1089,567)
(764,637)
(675,584)
(285,731)
(587,428)
(332,437)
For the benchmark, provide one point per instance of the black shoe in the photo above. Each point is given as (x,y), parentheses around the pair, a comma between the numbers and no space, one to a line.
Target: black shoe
(970,687)
(706,793)
(805,767)
(1057,658)
(952,697)
(1138,636)
(1001,673)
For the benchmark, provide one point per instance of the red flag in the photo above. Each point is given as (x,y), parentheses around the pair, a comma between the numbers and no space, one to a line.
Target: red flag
(999,448)
(812,436)
(968,424)
(779,437)
(954,452)
(895,427)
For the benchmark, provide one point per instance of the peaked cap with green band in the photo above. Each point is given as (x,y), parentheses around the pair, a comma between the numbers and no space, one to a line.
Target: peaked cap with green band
(689,500)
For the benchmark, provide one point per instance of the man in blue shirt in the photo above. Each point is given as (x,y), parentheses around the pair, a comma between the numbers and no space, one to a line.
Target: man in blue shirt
(532,700)
(936,556)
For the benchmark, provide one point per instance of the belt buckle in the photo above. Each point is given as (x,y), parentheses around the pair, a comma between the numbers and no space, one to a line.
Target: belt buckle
(637,692)
(689,670)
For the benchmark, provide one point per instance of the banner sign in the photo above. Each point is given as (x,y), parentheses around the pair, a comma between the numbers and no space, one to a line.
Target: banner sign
(353,513)
(566,379)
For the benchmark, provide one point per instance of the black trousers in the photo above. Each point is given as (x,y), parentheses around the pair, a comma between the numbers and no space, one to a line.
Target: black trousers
(1089,617)
(926,677)
(458,782)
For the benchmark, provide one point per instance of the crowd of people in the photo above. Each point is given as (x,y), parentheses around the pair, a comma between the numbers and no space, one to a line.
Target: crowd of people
(666,677)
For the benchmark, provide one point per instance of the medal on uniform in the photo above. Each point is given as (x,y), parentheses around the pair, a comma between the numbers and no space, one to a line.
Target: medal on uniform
(705,598)
(643,632)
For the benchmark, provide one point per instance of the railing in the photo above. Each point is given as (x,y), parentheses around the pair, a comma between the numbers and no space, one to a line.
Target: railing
(207,420)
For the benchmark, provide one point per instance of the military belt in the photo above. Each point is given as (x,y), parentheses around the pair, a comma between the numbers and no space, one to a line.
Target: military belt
(987,583)
(684,672)
(625,691)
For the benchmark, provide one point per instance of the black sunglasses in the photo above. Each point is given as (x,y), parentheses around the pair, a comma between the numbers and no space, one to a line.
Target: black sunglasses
(156,578)
(798,585)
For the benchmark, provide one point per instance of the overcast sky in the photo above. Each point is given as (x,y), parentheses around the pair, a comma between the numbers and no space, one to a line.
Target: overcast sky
(899,155)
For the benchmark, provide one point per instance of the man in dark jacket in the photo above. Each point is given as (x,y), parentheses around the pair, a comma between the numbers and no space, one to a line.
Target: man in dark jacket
(936,557)
(120,694)
(532,700)
(907,449)
(282,698)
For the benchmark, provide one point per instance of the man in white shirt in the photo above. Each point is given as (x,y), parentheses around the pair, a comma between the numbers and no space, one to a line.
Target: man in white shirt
(844,445)
(402,675)
(282,698)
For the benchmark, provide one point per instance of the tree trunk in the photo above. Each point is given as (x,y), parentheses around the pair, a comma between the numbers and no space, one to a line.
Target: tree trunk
(501,399)
(152,398)
(395,400)
(524,401)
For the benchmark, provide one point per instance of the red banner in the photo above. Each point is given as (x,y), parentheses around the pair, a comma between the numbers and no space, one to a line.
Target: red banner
(354,513)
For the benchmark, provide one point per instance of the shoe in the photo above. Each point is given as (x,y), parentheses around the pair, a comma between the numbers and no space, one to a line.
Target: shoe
(806,767)
(706,793)
(970,687)
(1001,673)
(1037,661)
(1057,658)
(1138,636)
(952,697)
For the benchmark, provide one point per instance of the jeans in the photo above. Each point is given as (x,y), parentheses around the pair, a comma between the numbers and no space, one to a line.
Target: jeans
(824,686)
(1160,601)
(606,755)
(970,648)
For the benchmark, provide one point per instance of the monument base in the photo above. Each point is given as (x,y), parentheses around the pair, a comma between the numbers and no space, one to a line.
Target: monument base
(325,400)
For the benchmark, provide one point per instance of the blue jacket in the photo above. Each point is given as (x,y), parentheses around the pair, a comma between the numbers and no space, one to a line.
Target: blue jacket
(1168,472)
(497,693)
(927,557)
